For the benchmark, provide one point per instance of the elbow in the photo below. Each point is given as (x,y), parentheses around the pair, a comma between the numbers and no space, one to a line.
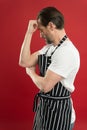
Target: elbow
(23,63)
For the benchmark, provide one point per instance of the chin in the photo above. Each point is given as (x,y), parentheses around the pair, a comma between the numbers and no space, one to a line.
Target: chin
(49,42)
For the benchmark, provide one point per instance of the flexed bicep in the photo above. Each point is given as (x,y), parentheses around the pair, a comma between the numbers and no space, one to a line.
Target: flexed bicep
(26,59)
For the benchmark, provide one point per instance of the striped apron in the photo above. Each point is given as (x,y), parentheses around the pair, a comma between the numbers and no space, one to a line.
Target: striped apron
(53,109)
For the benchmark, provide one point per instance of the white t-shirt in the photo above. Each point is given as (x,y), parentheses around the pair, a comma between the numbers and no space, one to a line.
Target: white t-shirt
(65,62)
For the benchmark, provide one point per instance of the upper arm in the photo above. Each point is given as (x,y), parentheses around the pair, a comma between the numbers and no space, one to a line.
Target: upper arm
(32,61)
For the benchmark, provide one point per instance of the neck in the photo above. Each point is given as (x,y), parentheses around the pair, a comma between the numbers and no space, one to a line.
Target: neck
(58,35)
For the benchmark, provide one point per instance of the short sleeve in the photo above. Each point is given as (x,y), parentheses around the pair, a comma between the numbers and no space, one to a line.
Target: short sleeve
(62,62)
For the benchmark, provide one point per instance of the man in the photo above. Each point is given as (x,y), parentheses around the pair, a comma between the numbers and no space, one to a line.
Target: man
(58,63)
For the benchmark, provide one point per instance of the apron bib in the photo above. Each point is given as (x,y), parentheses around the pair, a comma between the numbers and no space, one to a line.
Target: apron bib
(53,109)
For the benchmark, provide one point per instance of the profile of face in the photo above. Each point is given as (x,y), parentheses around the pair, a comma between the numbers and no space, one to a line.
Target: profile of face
(45,32)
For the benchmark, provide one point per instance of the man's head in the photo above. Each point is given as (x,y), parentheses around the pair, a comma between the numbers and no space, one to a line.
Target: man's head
(51,14)
(49,19)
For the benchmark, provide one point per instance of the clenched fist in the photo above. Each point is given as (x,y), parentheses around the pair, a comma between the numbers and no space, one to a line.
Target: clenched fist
(32,26)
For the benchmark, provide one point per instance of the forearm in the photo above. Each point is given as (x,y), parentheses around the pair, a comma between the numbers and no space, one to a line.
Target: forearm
(45,83)
(39,81)
(25,49)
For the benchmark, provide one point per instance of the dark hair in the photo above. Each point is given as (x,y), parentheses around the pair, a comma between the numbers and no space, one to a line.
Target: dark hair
(51,14)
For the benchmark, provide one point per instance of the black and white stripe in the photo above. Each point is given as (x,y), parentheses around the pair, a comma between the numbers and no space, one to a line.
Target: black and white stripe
(53,114)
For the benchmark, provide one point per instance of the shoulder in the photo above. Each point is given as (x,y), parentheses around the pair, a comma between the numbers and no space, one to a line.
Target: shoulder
(67,53)
(67,49)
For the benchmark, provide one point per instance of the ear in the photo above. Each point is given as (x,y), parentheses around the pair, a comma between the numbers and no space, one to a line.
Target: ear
(51,26)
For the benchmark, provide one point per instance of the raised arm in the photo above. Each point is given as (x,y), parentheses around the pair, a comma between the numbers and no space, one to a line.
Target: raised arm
(27,59)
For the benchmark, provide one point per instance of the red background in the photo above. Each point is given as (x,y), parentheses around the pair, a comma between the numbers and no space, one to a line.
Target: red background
(16,88)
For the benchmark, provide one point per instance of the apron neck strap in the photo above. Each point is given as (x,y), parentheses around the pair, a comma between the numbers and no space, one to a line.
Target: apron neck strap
(63,39)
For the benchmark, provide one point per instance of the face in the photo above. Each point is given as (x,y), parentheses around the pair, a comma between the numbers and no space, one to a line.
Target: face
(45,33)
